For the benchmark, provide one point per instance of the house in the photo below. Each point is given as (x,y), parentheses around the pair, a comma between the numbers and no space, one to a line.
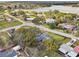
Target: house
(74,52)
(42,37)
(71,54)
(68,51)
(50,20)
(76,49)
(8,19)
(29,19)
(16,48)
(64,48)
(67,26)
(9,53)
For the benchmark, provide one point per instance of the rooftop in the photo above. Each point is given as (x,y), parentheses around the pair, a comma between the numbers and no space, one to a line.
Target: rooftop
(10,53)
(76,49)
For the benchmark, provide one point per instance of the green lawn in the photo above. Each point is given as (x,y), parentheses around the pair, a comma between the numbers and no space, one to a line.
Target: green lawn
(59,38)
(5,24)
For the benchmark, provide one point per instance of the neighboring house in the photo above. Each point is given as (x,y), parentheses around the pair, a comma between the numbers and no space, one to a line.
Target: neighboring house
(67,26)
(42,37)
(50,20)
(71,54)
(29,19)
(9,53)
(74,52)
(68,51)
(64,48)
(8,19)
(17,48)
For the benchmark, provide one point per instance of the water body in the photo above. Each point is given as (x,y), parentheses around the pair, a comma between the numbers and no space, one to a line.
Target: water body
(62,8)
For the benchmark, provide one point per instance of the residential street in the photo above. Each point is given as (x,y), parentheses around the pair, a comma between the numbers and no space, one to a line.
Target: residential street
(63,8)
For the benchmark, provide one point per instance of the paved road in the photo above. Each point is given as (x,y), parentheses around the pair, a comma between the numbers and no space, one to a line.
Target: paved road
(41,28)
(14,27)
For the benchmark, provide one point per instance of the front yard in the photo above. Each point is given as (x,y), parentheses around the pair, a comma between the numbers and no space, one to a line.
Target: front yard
(5,24)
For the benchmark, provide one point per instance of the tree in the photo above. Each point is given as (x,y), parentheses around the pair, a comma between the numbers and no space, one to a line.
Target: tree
(39,20)
(26,37)
(50,47)
(52,25)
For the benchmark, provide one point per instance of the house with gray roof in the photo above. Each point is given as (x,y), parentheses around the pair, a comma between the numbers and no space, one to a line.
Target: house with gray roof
(42,37)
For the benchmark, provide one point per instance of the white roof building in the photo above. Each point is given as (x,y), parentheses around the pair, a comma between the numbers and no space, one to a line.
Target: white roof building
(64,48)
(49,20)
(68,51)
(71,54)
(16,48)
(29,19)
(9,19)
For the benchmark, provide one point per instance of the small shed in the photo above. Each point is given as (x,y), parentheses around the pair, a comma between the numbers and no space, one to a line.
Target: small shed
(29,19)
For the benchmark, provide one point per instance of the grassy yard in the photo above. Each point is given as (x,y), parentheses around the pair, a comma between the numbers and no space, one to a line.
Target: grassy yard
(58,41)
(45,25)
(5,24)
(59,38)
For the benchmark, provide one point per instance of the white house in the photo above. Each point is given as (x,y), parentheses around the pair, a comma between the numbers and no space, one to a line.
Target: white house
(16,48)
(64,48)
(74,52)
(68,51)
(9,19)
(29,19)
(71,54)
(50,20)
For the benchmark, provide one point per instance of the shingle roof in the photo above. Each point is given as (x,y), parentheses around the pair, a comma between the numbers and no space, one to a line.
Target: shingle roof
(41,37)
